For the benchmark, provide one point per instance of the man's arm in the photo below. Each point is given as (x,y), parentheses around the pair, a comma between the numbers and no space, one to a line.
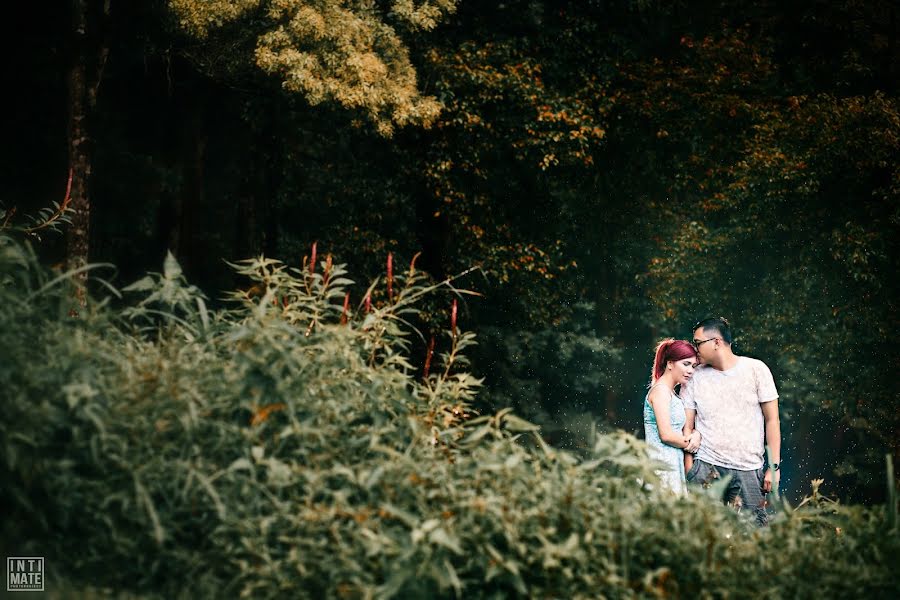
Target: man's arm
(773,441)
(690,416)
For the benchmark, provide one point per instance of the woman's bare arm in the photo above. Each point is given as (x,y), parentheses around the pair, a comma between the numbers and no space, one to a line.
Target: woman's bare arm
(659,402)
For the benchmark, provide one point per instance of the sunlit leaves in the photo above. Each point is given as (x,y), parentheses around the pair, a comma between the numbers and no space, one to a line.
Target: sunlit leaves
(332,51)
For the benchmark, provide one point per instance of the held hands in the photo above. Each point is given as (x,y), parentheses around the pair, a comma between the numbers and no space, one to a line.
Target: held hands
(693,442)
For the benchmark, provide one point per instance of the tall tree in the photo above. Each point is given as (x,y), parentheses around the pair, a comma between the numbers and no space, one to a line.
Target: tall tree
(90,47)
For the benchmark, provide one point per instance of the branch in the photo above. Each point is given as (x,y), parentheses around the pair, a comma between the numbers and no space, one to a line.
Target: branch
(59,214)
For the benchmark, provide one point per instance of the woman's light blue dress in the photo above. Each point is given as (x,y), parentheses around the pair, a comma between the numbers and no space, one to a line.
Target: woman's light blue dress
(673,475)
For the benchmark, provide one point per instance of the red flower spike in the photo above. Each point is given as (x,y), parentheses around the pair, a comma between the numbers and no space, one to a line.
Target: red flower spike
(368,303)
(390,276)
(346,308)
(428,355)
(284,301)
(312,260)
(65,202)
(453,317)
(412,263)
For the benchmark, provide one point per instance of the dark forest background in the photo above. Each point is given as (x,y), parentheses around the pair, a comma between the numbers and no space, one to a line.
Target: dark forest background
(617,170)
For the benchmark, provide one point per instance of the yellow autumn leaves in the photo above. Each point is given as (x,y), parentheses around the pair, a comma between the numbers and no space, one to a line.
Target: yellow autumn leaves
(333,50)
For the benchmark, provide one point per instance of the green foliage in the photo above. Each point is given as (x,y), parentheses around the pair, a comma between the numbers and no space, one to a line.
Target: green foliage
(650,161)
(569,363)
(792,238)
(285,446)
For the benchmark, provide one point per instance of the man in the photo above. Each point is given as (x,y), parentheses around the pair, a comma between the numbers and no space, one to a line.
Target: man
(732,401)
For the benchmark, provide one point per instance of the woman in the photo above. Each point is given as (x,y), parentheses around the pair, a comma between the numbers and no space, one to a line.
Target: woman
(664,416)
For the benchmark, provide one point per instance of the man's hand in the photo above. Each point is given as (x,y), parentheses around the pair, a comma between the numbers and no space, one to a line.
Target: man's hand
(769,479)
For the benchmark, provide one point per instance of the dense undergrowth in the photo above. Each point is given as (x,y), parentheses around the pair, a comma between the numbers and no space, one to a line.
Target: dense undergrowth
(286,447)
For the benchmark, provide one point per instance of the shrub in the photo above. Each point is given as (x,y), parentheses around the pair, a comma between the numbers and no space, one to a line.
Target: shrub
(286,446)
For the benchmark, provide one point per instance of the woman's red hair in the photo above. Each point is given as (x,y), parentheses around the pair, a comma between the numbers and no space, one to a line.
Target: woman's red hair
(669,349)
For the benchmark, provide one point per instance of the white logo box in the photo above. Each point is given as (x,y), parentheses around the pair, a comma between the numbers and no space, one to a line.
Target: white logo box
(24,573)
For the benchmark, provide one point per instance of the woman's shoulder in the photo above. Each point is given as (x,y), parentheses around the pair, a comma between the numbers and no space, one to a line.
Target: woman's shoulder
(659,392)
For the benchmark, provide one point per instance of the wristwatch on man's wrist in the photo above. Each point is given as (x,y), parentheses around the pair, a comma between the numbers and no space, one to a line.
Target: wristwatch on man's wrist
(775,466)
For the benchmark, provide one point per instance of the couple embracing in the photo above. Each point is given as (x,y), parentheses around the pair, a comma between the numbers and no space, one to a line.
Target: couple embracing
(718,425)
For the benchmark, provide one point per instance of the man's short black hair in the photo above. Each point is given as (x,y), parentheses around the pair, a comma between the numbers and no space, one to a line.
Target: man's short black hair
(719,324)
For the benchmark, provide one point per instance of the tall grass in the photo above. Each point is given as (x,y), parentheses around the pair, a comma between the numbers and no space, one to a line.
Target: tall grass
(287,447)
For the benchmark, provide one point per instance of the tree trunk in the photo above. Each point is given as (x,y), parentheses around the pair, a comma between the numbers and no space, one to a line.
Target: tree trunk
(246,239)
(611,406)
(180,214)
(187,245)
(77,241)
(258,214)
(90,47)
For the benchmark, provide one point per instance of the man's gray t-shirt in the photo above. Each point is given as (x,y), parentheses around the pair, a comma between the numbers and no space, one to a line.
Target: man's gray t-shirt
(729,416)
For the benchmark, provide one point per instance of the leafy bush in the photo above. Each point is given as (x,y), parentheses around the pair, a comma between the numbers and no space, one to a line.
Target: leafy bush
(286,447)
